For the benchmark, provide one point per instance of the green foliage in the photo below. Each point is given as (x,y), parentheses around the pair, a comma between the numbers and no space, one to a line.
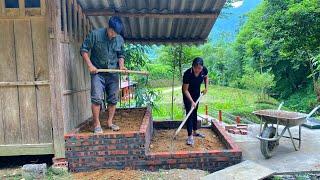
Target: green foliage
(159,71)
(302,101)
(136,56)
(282,36)
(219,59)
(178,57)
(145,95)
(258,82)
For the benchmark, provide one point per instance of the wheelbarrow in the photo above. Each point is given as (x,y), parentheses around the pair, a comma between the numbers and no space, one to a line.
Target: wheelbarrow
(269,128)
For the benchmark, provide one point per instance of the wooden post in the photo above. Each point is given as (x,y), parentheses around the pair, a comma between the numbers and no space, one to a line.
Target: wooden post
(43,7)
(55,62)
(2,8)
(206,109)
(238,119)
(22,9)
(220,116)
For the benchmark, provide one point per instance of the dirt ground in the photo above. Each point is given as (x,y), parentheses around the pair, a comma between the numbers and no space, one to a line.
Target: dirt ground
(126,120)
(173,174)
(162,141)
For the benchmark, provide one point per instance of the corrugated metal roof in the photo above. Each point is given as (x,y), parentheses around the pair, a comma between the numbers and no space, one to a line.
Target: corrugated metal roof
(158,29)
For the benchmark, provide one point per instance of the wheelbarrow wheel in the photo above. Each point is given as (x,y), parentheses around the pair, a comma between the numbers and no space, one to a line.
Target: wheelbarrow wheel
(268,147)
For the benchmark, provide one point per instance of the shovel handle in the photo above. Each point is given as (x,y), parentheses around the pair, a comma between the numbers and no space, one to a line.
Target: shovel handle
(123,71)
(186,118)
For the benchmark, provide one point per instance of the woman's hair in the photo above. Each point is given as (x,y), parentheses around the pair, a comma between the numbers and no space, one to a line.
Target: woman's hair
(197,61)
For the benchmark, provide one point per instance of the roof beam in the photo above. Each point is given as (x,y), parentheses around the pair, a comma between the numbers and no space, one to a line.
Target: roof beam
(108,12)
(165,41)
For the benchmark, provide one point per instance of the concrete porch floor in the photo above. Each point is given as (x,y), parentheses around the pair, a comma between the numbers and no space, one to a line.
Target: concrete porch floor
(285,159)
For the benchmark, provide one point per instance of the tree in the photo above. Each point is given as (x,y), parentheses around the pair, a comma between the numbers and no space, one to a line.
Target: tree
(283,36)
(258,82)
(177,56)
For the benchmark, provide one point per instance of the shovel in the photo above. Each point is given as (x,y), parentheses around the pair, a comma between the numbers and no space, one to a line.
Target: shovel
(186,118)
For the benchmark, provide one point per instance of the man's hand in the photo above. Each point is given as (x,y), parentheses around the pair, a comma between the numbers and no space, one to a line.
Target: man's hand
(204,91)
(123,68)
(93,69)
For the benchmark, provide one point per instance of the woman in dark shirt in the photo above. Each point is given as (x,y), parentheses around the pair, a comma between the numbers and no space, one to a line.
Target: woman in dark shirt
(192,80)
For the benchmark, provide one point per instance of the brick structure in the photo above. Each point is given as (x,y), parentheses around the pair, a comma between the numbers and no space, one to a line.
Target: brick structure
(130,150)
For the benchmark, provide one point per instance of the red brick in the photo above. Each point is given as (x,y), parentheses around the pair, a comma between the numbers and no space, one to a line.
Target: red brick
(171,161)
(242,125)
(243,132)
(129,134)
(236,131)
(196,154)
(113,141)
(181,154)
(222,158)
(183,166)
(227,127)
(118,152)
(111,147)
(100,159)
(154,162)
(161,155)
(80,154)
(101,153)
(85,143)
(231,131)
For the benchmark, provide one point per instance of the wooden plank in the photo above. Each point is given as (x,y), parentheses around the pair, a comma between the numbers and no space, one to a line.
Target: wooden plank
(64,17)
(26,149)
(70,91)
(84,27)
(55,63)
(43,7)
(9,108)
(81,84)
(70,20)
(12,12)
(87,84)
(68,109)
(24,83)
(176,15)
(75,28)
(32,12)
(25,71)
(2,8)
(80,35)
(22,9)
(87,26)
(75,84)
(40,52)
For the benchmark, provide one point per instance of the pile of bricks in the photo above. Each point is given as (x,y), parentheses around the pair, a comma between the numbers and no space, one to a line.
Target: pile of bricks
(130,150)
(237,129)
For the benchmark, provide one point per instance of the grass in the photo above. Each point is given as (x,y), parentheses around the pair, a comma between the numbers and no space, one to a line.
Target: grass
(51,174)
(237,102)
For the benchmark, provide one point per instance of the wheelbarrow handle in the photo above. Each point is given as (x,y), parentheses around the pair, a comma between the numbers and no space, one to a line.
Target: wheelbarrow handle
(280,105)
(313,111)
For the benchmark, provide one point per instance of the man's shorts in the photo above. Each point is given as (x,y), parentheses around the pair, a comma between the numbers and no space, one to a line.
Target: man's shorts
(104,82)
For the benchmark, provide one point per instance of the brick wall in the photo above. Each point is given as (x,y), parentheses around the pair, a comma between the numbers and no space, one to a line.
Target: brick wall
(130,150)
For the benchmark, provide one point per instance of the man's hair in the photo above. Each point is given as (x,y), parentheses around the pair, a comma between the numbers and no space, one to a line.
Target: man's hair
(115,23)
(197,61)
